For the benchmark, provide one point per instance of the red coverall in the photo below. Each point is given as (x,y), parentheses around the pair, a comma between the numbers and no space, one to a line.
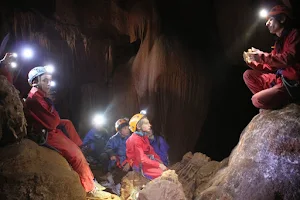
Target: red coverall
(259,80)
(41,114)
(138,150)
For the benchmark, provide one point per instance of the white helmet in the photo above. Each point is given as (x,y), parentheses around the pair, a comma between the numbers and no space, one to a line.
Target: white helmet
(35,72)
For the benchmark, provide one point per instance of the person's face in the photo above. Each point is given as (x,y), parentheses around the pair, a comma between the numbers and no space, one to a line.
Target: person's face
(124,132)
(273,25)
(145,125)
(44,83)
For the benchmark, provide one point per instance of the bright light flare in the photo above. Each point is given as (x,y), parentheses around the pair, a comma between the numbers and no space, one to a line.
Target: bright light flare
(52,83)
(27,53)
(13,64)
(99,120)
(49,68)
(15,55)
(143,112)
(263,13)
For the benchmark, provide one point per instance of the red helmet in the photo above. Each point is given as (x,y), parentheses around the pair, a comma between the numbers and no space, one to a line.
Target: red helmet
(280,9)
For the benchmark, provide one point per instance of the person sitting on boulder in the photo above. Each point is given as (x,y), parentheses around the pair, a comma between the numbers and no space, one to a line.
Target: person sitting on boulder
(275,74)
(139,152)
(160,146)
(42,116)
(93,146)
(116,146)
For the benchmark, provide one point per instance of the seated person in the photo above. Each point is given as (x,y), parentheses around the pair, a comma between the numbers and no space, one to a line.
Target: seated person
(116,146)
(41,115)
(139,152)
(93,146)
(160,146)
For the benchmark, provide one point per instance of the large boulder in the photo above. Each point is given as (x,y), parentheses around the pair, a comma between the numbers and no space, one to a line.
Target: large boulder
(29,171)
(266,162)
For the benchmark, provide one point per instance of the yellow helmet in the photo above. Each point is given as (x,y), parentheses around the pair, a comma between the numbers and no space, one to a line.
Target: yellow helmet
(120,123)
(134,120)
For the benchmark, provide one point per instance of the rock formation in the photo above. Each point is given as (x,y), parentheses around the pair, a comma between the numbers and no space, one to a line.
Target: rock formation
(12,119)
(265,163)
(28,171)
(166,187)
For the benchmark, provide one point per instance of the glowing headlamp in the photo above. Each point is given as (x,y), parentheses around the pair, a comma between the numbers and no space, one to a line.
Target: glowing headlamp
(27,53)
(13,64)
(263,13)
(49,68)
(143,112)
(99,120)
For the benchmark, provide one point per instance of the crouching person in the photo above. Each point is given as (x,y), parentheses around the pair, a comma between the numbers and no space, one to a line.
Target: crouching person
(139,151)
(41,115)
(116,146)
(94,147)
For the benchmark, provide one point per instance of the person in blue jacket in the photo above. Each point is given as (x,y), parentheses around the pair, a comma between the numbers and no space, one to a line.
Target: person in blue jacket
(116,146)
(94,146)
(160,146)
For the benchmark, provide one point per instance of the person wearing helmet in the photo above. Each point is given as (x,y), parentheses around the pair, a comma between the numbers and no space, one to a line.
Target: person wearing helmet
(93,144)
(160,146)
(275,74)
(139,152)
(116,146)
(41,115)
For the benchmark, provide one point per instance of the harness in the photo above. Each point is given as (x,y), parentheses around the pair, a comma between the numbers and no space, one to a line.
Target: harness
(292,86)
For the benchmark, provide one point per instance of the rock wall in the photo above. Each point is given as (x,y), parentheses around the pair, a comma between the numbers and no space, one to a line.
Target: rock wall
(29,171)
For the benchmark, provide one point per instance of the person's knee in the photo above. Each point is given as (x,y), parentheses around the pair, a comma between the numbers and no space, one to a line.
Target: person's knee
(74,154)
(256,101)
(67,122)
(260,101)
(248,75)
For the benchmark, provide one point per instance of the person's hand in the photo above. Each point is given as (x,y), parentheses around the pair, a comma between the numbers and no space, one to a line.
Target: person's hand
(113,158)
(246,57)
(251,57)
(126,167)
(255,51)
(162,167)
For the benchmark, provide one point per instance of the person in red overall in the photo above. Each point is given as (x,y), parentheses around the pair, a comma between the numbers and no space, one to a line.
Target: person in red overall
(264,80)
(41,114)
(139,152)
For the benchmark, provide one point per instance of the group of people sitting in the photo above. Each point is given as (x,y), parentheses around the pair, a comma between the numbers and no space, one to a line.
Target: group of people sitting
(124,150)
(141,151)
(111,152)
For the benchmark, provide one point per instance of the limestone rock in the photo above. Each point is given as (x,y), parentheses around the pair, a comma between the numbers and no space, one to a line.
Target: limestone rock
(12,119)
(29,171)
(187,170)
(265,163)
(166,187)
(131,184)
